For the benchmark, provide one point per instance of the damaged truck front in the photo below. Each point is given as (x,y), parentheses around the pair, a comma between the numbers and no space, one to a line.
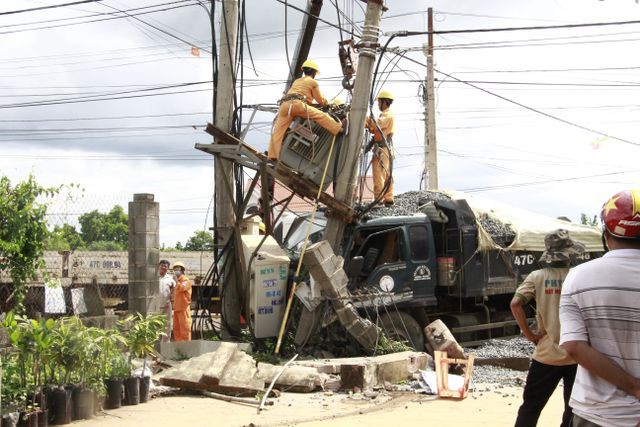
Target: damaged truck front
(450,261)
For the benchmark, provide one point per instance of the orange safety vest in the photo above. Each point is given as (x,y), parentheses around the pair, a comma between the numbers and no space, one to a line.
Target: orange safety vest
(182,294)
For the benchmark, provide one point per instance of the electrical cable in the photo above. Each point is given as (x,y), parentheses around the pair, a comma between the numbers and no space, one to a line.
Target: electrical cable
(53,6)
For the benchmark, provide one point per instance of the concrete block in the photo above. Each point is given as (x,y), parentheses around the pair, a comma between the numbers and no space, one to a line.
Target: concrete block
(440,338)
(224,354)
(319,252)
(193,348)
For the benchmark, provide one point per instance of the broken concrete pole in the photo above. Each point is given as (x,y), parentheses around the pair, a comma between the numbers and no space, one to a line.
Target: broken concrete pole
(188,373)
(226,370)
(440,338)
(326,269)
(240,376)
(299,379)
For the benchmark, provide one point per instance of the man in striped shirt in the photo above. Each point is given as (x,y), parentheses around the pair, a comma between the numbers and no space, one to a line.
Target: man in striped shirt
(600,322)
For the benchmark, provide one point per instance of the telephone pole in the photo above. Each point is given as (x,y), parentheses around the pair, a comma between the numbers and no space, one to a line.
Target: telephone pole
(430,173)
(224,168)
(345,182)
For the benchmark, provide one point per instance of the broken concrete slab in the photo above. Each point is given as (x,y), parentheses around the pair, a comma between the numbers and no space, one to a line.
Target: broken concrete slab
(186,349)
(301,379)
(367,372)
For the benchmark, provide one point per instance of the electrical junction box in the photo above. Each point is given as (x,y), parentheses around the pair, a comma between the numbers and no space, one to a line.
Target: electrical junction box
(268,271)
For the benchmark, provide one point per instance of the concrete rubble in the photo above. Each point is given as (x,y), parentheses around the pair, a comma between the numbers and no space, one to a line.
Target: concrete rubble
(231,371)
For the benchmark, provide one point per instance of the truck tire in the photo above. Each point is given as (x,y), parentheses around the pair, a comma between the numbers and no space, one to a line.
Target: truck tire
(401,326)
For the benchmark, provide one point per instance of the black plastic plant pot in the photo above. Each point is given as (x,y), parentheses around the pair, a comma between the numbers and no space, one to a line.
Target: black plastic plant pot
(114,394)
(61,406)
(82,399)
(145,382)
(43,418)
(28,419)
(132,390)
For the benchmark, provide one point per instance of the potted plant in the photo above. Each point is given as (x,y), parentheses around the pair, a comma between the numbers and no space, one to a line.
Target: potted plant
(141,336)
(117,371)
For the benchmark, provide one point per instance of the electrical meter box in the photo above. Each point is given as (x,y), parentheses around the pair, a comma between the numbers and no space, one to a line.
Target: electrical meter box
(268,272)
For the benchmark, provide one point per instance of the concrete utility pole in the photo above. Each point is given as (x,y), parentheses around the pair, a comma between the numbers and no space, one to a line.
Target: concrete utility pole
(224,168)
(430,173)
(144,254)
(345,181)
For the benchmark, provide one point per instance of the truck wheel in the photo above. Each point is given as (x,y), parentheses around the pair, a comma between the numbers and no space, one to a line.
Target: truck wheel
(401,326)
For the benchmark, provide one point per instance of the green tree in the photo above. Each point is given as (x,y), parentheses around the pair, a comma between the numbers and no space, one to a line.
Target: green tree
(200,241)
(586,220)
(64,238)
(111,227)
(23,230)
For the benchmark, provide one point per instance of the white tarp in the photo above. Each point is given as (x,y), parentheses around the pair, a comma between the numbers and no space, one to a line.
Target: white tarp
(529,227)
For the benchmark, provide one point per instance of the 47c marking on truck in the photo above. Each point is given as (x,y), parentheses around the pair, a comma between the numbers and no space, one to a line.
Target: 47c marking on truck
(524,259)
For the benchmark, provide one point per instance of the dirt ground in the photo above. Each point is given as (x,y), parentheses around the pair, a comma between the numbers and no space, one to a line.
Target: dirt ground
(495,407)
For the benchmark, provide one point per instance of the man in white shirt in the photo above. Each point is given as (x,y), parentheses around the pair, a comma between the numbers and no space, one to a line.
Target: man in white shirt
(166,288)
(600,322)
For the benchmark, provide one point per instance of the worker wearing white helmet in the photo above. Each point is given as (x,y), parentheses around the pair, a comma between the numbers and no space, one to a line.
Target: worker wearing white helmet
(298,103)
(181,304)
(382,129)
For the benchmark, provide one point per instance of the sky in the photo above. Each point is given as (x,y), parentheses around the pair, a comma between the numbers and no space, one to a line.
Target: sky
(544,119)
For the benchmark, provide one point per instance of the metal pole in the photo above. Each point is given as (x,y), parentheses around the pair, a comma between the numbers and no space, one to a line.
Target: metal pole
(345,181)
(430,144)
(224,168)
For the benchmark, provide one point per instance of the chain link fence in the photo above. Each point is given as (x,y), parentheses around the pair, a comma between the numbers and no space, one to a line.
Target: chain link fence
(78,280)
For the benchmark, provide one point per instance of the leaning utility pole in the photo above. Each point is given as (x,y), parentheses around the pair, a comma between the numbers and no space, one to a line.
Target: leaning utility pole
(305,38)
(224,168)
(430,174)
(345,182)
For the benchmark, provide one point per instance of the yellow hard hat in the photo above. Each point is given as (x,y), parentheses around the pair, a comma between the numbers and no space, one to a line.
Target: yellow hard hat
(337,101)
(385,94)
(178,264)
(311,64)
(262,227)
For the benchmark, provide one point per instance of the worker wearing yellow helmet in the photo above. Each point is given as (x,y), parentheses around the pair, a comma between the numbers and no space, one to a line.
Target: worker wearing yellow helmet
(181,304)
(298,102)
(382,129)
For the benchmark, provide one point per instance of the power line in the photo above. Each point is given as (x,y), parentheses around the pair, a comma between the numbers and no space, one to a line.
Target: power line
(539,27)
(34,9)
(551,116)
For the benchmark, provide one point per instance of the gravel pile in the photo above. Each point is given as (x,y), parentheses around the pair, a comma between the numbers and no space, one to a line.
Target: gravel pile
(515,347)
(406,204)
(501,233)
(409,202)
(495,375)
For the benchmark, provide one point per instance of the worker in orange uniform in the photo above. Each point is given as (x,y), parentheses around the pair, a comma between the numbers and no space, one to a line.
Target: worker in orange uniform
(181,304)
(382,153)
(298,103)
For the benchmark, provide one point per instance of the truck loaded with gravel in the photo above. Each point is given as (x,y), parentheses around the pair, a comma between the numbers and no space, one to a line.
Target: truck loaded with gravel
(449,256)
